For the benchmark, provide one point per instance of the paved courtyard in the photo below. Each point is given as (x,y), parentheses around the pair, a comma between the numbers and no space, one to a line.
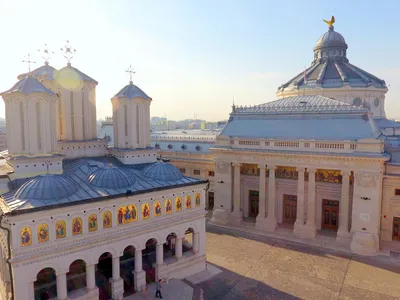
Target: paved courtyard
(257,267)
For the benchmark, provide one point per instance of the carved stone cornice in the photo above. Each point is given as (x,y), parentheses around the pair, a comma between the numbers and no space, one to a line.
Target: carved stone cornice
(367,179)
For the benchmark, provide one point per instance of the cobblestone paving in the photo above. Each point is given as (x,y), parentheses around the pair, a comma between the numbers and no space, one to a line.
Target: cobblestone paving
(257,267)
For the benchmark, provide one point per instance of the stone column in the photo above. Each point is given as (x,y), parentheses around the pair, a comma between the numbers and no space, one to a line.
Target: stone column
(160,254)
(178,248)
(90,277)
(139,277)
(195,245)
(261,190)
(117,283)
(299,224)
(138,261)
(343,230)
(271,218)
(236,214)
(311,228)
(62,286)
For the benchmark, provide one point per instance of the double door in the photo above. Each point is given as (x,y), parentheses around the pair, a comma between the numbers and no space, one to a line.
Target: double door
(396,229)
(253,203)
(330,214)
(289,209)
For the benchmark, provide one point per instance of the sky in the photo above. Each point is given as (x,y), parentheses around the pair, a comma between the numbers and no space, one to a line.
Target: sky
(192,57)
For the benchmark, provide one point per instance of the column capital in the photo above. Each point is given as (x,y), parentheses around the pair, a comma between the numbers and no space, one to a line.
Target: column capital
(311,170)
(236,164)
(271,167)
(300,169)
(261,165)
(345,172)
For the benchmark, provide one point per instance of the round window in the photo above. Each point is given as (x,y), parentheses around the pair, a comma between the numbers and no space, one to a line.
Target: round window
(357,101)
(376,102)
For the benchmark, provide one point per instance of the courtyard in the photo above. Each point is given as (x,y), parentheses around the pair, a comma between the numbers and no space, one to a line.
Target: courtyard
(256,267)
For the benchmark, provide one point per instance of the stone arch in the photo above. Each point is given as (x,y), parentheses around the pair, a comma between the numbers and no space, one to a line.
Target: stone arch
(134,244)
(45,283)
(50,265)
(97,252)
(78,256)
(191,225)
(144,240)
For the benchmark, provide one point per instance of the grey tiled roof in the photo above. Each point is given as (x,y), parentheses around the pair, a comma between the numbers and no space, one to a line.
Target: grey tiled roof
(131,91)
(79,171)
(82,75)
(45,72)
(28,85)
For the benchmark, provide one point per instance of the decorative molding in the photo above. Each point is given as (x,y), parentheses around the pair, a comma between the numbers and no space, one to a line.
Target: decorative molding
(366,180)
(223,167)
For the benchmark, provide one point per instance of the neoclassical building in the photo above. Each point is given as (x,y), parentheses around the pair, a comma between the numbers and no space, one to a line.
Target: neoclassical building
(78,220)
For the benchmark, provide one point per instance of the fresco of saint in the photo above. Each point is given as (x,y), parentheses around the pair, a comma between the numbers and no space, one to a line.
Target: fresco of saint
(157,208)
(121,215)
(61,231)
(107,220)
(145,211)
(26,237)
(77,226)
(43,233)
(168,206)
(188,201)
(178,204)
(92,222)
(197,200)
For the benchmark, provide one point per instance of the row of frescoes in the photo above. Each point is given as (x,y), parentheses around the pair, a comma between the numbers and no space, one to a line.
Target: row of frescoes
(126,214)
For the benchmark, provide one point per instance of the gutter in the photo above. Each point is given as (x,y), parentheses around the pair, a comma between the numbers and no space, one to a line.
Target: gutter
(9,254)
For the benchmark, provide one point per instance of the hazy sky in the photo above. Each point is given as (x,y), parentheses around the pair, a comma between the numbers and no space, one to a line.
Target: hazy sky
(194,56)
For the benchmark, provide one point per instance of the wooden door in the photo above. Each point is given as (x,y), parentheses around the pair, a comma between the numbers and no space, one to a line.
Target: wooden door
(253,203)
(330,214)
(289,209)
(210,200)
(396,229)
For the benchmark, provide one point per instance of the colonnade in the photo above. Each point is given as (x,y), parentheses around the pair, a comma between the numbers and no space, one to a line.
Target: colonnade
(305,227)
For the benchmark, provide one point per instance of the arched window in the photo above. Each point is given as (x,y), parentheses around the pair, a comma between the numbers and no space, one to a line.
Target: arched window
(126,119)
(38,126)
(137,124)
(21,117)
(71,100)
(83,114)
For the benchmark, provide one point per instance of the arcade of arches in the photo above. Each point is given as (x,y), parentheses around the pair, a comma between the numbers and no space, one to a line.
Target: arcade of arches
(110,272)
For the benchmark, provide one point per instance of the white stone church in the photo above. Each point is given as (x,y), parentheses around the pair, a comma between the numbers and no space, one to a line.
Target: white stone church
(79,220)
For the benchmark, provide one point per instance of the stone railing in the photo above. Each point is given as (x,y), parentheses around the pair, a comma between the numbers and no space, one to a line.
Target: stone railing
(184,138)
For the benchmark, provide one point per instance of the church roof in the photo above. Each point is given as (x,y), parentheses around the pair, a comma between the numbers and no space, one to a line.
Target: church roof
(131,91)
(302,117)
(82,75)
(331,68)
(162,171)
(45,72)
(75,186)
(28,85)
(112,177)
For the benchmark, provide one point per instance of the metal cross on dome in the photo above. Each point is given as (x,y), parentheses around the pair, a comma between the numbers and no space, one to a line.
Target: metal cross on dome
(68,52)
(46,54)
(130,71)
(29,62)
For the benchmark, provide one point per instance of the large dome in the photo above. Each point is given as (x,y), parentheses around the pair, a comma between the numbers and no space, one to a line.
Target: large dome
(131,91)
(112,178)
(163,172)
(47,187)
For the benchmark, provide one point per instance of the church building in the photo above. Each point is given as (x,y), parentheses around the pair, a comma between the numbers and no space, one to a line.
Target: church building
(79,220)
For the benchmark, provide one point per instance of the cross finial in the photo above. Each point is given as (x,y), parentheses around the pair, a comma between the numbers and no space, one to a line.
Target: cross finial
(29,61)
(46,54)
(68,52)
(130,71)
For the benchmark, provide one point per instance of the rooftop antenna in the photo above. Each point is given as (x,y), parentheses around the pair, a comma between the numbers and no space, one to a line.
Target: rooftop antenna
(130,71)
(233,104)
(68,52)
(46,54)
(29,62)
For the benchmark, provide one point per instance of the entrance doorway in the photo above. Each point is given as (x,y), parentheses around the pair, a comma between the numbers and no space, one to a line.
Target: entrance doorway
(210,200)
(127,266)
(289,209)
(103,275)
(330,214)
(253,203)
(396,229)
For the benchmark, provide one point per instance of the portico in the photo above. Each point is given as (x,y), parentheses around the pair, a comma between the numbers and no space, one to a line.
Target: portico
(307,180)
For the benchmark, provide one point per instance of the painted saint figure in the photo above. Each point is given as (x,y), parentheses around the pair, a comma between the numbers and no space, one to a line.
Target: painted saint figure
(92,224)
(127,214)
(26,237)
(197,200)
(120,215)
(60,229)
(43,233)
(77,226)
(107,219)
(168,206)
(157,208)
(146,211)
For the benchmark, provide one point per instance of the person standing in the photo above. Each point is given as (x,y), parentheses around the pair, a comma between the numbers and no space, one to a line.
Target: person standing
(158,289)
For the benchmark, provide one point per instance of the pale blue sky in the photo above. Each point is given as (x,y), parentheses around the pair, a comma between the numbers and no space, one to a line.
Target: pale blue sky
(194,56)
